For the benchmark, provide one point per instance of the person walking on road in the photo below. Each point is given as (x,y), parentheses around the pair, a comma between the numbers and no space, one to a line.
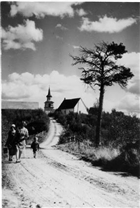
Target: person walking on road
(11,142)
(35,146)
(23,135)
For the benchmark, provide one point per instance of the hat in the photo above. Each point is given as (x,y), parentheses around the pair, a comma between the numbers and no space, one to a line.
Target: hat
(24,123)
(13,125)
(36,138)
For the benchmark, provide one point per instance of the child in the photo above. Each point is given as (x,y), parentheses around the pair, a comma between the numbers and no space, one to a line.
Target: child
(35,146)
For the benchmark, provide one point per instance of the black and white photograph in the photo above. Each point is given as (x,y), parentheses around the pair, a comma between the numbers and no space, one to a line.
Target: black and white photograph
(70,104)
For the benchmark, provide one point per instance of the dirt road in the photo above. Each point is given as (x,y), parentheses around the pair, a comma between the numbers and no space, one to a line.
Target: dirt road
(58,179)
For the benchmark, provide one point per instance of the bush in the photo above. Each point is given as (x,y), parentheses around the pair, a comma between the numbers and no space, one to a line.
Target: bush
(119,129)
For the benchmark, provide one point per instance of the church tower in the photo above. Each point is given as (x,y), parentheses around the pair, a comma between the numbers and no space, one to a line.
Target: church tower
(48,103)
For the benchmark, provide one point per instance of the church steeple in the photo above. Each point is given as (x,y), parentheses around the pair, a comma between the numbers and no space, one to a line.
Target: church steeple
(49,94)
(48,104)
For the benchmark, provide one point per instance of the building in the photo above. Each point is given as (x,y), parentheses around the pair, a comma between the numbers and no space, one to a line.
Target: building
(19,105)
(75,105)
(48,107)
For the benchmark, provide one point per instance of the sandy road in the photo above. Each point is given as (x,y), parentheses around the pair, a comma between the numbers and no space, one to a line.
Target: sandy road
(58,179)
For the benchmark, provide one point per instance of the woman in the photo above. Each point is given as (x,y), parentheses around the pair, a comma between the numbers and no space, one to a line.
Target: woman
(22,136)
(11,142)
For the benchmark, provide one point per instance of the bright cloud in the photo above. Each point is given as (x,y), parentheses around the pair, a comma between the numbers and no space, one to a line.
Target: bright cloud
(38,9)
(29,87)
(132,60)
(76,47)
(59,37)
(81,12)
(61,27)
(106,24)
(22,36)
(130,103)
(134,87)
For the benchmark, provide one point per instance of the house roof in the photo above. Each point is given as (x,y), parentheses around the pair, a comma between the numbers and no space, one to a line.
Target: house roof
(68,103)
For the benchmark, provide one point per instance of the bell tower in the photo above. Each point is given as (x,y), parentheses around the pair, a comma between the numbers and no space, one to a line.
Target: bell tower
(48,103)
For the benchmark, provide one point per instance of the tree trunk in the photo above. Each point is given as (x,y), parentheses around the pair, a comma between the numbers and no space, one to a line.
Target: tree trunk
(99,118)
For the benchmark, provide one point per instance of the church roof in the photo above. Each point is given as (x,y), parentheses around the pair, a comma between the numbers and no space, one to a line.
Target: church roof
(68,103)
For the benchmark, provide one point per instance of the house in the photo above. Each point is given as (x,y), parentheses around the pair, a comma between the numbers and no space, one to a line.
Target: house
(75,105)
(48,107)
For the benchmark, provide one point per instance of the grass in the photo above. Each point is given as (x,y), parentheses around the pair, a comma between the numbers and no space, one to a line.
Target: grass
(109,159)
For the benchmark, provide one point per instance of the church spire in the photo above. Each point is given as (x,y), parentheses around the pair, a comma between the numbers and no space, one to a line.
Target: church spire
(48,103)
(49,93)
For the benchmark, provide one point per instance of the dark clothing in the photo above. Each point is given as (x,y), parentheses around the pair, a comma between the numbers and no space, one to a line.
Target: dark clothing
(35,146)
(11,142)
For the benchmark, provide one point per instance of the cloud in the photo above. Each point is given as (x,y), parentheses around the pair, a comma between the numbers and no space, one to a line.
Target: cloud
(132,61)
(58,37)
(61,27)
(81,12)
(134,87)
(22,36)
(130,104)
(29,87)
(76,47)
(106,24)
(38,9)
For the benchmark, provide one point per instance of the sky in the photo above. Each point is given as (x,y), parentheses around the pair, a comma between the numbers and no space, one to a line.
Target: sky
(38,38)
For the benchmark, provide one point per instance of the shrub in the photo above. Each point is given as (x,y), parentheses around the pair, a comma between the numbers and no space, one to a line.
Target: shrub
(117,128)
